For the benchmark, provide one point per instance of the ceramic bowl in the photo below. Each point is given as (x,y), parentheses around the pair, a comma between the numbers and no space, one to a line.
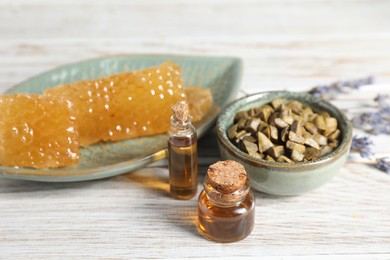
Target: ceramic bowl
(279,178)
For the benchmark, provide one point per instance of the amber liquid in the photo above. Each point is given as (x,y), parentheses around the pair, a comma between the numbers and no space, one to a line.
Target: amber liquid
(225,224)
(183,167)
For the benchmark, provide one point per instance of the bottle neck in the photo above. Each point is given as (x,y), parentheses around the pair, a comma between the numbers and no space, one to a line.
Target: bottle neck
(230,199)
(181,127)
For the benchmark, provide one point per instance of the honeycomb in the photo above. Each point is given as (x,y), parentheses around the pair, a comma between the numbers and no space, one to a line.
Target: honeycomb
(37,131)
(126,105)
(199,101)
(45,131)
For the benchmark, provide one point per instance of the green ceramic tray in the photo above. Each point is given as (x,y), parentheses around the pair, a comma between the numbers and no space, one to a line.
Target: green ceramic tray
(220,74)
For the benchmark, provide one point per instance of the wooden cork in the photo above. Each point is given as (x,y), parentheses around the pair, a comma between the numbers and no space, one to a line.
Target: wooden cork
(226,177)
(180,111)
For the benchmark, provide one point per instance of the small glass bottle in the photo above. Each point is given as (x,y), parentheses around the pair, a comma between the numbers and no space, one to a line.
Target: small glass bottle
(183,156)
(226,206)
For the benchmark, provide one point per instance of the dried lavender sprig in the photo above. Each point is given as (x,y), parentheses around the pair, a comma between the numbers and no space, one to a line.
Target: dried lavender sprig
(383,164)
(377,122)
(330,91)
(362,145)
(382,99)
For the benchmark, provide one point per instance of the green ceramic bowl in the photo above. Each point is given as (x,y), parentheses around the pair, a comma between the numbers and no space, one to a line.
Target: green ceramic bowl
(285,178)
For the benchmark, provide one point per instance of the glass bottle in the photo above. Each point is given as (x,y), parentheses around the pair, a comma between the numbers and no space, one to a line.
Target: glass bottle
(226,206)
(183,156)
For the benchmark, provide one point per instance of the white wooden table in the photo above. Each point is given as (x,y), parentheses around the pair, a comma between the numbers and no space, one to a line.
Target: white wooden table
(284,45)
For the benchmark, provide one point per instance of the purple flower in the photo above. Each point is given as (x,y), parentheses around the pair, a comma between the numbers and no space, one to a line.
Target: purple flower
(382,100)
(383,164)
(375,122)
(362,145)
(330,91)
(372,122)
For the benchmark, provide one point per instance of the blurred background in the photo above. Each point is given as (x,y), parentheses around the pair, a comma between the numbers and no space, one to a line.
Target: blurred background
(283,43)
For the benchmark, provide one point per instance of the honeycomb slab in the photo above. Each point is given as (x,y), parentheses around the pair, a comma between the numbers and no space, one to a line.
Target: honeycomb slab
(126,105)
(37,131)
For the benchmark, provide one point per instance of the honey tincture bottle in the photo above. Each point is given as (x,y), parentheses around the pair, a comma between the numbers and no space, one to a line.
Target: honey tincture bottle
(226,206)
(183,156)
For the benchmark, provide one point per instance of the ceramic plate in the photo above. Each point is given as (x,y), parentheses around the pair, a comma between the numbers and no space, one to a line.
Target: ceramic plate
(220,74)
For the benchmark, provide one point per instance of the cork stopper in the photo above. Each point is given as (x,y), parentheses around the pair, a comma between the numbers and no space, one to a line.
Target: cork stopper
(228,181)
(180,111)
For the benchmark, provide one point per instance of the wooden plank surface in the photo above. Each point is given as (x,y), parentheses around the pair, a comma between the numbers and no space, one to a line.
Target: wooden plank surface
(284,44)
